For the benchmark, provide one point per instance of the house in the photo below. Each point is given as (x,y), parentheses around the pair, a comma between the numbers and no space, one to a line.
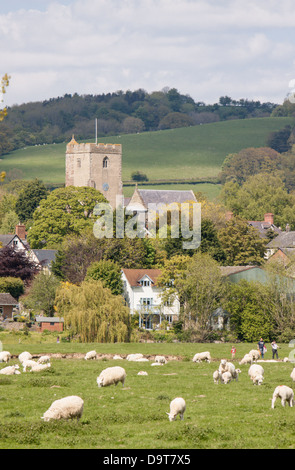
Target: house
(18,240)
(142,295)
(7,305)
(283,246)
(266,228)
(44,258)
(50,323)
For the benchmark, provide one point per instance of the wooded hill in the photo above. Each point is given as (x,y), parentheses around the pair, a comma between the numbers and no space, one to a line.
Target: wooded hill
(56,119)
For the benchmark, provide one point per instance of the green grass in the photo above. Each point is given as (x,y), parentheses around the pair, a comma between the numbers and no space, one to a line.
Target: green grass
(237,415)
(186,153)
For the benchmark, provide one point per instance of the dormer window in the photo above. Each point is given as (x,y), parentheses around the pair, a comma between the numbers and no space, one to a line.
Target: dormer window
(145,283)
(105,162)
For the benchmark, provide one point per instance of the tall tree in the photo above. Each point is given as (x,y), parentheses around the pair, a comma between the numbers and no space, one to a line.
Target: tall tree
(42,293)
(108,272)
(15,263)
(29,199)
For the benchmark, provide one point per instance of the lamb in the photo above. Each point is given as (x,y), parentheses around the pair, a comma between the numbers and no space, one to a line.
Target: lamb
(66,408)
(10,370)
(235,374)
(247,359)
(28,363)
(256,374)
(5,356)
(25,356)
(40,367)
(217,377)
(90,355)
(161,359)
(177,407)
(111,376)
(43,359)
(134,357)
(292,375)
(203,356)
(255,354)
(226,377)
(285,393)
(142,372)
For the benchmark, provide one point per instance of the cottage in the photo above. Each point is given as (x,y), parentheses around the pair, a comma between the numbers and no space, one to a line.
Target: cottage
(50,323)
(44,258)
(7,305)
(142,294)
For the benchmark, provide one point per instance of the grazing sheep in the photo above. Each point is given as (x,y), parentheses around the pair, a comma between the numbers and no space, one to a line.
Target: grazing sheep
(40,367)
(28,363)
(247,359)
(285,393)
(161,359)
(25,356)
(5,356)
(217,377)
(177,407)
(43,359)
(90,355)
(134,357)
(111,376)
(203,356)
(255,354)
(256,374)
(116,357)
(226,367)
(235,374)
(10,370)
(142,372)
(157,364)
(65,408)
(142,359)
(292,375)
(226,377)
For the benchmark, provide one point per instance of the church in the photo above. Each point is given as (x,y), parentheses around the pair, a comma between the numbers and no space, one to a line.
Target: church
(100,166)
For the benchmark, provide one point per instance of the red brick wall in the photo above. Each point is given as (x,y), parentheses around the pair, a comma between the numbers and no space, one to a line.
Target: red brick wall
(54,327)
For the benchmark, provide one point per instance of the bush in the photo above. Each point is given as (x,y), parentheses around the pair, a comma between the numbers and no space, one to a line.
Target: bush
(12,285)
(138,176)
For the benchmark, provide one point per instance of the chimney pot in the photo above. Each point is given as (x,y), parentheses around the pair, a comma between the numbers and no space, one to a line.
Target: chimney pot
(268,218)
(20,230)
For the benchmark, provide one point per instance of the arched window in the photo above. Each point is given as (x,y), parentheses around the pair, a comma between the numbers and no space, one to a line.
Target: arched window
(105,162)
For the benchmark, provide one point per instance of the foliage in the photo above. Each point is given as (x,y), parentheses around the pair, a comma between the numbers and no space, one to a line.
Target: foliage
(12,285)
(108,272)
(29,199)
(279,140)
(66,211)
(138,176)
(42,292)
(241,243)
(93,312)
(15,263)
(9,221)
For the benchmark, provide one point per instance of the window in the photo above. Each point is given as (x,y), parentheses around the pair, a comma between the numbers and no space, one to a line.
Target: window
(105,162)
(79,162)
(145,283)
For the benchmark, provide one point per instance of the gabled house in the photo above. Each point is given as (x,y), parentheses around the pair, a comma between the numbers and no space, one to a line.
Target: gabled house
(142,295)
(266,228)
(18,240)
(44,258)
(282,246)
(7,305)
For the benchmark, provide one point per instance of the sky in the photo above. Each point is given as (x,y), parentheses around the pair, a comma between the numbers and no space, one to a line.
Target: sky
(204,48)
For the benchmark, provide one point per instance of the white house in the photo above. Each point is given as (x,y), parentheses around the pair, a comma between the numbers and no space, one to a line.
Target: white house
(143,296)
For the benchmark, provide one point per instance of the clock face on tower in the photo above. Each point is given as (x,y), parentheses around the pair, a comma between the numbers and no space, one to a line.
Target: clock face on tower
(105,186)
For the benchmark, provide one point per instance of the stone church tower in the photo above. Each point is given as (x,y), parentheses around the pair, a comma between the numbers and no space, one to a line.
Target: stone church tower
(98,166)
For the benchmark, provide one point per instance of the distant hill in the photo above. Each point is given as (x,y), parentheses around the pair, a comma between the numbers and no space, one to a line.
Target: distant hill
(190,153)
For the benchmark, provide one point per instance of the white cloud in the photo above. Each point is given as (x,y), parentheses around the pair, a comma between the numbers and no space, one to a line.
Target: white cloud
(202,47)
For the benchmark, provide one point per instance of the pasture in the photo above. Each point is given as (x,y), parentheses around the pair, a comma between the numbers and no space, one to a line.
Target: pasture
(233,416)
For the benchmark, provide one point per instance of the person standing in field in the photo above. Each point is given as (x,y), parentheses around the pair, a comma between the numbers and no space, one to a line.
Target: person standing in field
(261,346)
(274,348)
(233,352)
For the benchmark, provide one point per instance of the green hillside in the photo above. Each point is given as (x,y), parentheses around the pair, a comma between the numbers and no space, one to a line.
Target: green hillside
(195,152)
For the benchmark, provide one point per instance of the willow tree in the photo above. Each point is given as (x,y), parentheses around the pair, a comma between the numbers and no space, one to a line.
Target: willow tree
(93,312)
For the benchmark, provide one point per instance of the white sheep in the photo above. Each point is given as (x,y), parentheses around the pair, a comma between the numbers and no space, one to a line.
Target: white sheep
(247,359)
(5,356)
(134,357)
(65,408)
(117,357)
(161,359)
(235,374)
(43,359)
(28,363)
(217,377)
(90,355)
(226,377)
(10,370)
(285,393)
(286,359)
(111,376)
(292,375)
(157,364)
(142,359)
(177,407)
(25,356)
(255,354)
(203,356)
(40,367)
(256,374)
(226,366)
(142,372)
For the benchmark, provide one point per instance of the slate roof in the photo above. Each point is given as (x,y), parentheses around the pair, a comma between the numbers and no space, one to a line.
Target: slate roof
(166,196)
(263,227)
(283,240)
(45,257)
(7,299)
(40,319)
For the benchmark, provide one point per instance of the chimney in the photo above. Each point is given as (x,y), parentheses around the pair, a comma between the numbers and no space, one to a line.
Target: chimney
(229,215)
(20,230)
(268,218)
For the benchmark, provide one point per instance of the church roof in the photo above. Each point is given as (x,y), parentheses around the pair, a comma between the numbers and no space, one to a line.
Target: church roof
(144,197)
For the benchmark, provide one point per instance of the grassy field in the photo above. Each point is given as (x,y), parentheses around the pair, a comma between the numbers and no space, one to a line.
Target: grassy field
(191,152)
(237,415)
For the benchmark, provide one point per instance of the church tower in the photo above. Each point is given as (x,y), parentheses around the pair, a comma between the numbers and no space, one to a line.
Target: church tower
(98,166)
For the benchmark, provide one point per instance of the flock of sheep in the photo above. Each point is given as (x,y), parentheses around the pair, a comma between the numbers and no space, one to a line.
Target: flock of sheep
(227,372)
(72,406)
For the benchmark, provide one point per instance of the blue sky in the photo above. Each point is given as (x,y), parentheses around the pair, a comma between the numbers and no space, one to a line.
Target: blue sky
(204,48)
